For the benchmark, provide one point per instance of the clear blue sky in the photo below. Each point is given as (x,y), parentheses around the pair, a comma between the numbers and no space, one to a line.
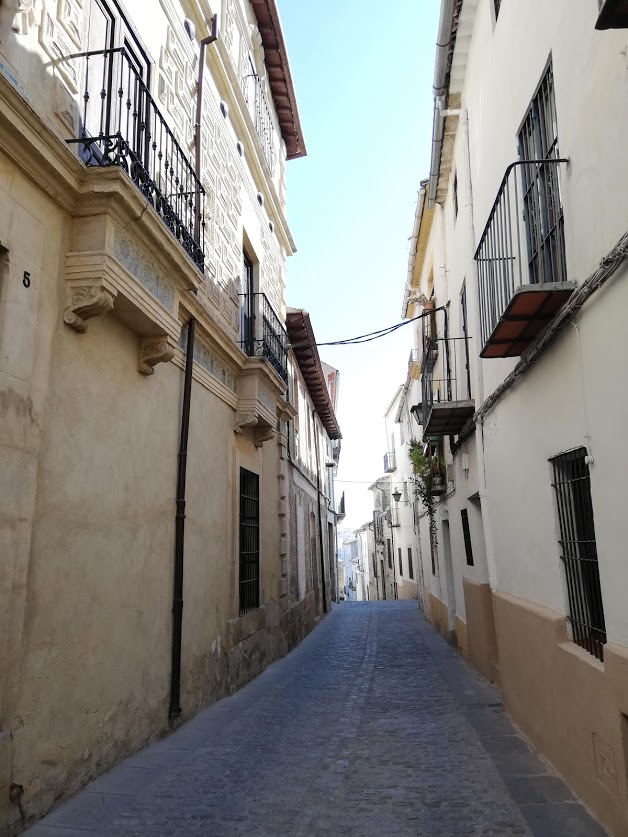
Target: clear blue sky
(363,78)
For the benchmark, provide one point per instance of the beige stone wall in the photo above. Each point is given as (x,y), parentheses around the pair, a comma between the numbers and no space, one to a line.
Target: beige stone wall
(481,637)
(89,441)
(573,707)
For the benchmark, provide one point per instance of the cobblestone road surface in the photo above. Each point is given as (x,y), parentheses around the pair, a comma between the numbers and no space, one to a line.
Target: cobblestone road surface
(373,726)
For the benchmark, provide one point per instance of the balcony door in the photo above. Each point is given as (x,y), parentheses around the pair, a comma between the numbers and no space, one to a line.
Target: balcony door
(116,80)
(247,307)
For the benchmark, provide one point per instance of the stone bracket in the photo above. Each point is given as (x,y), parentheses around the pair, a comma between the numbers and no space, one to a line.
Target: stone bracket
(87,299)
(244,421)
(154,350)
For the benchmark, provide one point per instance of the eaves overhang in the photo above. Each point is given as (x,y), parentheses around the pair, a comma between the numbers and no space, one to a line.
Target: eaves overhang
(303,346)
(279,76)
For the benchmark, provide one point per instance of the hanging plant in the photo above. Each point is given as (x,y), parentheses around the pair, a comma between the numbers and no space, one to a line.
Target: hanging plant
(428,472)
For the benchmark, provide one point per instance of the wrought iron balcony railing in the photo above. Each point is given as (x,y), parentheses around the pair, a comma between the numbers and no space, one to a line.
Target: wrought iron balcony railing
(390,463)
(263,335)
(521,258)
(261,114)
(121,125)
(446,388)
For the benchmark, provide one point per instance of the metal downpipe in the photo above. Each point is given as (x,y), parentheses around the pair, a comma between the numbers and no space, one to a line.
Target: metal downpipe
(179,536)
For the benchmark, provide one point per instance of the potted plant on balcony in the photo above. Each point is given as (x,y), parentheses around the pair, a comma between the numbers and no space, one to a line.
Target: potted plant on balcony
(429,482)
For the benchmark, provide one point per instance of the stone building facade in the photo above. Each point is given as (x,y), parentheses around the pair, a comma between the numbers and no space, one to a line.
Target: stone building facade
(143,242)
(313,438)
(517,280)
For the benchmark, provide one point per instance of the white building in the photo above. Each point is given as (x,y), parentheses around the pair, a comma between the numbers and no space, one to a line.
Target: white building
(520,270)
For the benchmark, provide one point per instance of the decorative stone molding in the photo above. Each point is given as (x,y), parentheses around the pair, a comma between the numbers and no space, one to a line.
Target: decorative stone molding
(153,350)
(84,300)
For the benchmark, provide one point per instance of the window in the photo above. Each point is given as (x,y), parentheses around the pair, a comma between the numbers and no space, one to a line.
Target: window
(410,567)
(572,485)
(400,562)
(543,211)
(455,191)
(468,548)
(389,553)
(249,541)
(247,299)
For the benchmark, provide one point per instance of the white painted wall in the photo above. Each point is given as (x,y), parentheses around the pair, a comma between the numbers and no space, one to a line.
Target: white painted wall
(563,402)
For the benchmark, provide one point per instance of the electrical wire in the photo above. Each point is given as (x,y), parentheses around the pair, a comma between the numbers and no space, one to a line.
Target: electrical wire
(371,335)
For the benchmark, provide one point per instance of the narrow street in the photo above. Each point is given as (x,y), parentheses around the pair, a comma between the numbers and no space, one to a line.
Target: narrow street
(372,726)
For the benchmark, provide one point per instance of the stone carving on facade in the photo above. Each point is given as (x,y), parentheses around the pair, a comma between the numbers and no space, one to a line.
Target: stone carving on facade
(153,350)
(24,19)
(86,300)
(245,421)
(263,434)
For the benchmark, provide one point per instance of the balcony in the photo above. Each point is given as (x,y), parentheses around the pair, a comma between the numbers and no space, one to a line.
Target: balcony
(121,125)
(390,464)
(521,259)
(447,403)
(341,514)
(261,115)
(263,335)
(613,15)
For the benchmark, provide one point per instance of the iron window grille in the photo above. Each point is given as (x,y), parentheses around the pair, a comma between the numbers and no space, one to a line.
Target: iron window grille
(410,567)
(263,334)
(121,125)
(261,114)
(572,485)
(542,203)
(466,532)
(249,541)
(400,562)
(389,553)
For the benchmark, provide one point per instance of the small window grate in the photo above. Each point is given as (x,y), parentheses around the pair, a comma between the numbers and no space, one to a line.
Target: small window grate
(249,541)
(468,547)
(572,484)
(389,553)
(400,563)
(410,566)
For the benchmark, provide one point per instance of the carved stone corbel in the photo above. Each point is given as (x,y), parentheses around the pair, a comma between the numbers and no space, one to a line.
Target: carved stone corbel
(151,351)
(84,300)
(244,421)
(263,434)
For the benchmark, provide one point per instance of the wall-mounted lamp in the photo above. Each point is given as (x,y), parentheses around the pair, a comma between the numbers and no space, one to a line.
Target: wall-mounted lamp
(396,496)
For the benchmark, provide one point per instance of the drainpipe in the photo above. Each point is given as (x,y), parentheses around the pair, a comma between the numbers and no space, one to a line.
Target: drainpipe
(440,92)
(213,36)
(320,522)
(177,596)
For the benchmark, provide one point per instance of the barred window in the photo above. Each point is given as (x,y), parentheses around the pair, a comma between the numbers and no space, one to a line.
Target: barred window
(410,567)
(400,562)
(572,484)
(249,541)
(543,210)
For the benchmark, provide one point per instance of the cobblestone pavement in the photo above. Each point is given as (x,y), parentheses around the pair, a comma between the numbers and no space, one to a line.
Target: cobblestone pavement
(373,726)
